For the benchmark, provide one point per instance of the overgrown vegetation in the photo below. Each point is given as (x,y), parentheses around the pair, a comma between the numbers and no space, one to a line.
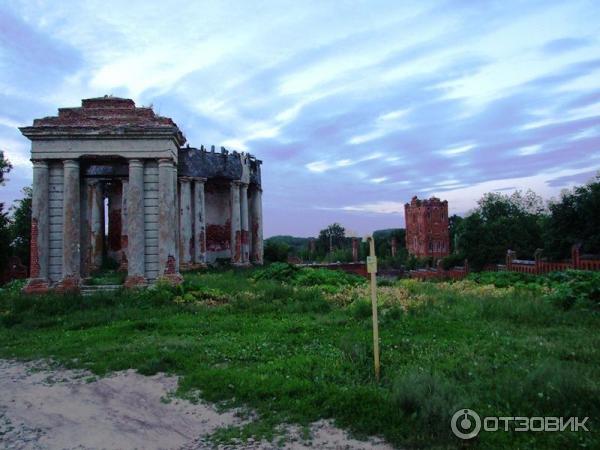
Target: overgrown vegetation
(562,288)
(295,346)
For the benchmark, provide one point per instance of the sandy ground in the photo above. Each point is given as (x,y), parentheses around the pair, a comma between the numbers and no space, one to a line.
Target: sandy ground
(43,408)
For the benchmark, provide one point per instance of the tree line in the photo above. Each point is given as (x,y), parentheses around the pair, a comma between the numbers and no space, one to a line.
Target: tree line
(15,223)
(521,221)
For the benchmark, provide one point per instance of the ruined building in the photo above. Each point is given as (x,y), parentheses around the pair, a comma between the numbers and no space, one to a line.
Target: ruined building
(113,181)
(427,233)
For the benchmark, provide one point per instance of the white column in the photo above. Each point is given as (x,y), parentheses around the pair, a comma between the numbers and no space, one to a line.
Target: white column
(236,232)
(136,262)
(244,222)
(71,226)
(199,221)
(186,238)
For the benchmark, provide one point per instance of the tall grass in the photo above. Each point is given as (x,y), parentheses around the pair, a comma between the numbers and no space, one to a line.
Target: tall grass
(295,353)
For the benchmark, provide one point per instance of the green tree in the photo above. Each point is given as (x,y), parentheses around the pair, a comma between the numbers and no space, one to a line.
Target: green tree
(330,238)
(501,222)
(5,167)
(454,228)
(575,218)
(276,251)
(20,227)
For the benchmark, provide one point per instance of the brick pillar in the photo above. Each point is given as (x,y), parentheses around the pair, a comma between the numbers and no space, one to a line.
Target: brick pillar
(199,222)
(244,223)
(236,225)
(71,272)
(576,256)
(354,249)
(394,247)
(40,232)
(168,261)
(537,255)
(136,261)
(257,227)
(95,196)
(510,255)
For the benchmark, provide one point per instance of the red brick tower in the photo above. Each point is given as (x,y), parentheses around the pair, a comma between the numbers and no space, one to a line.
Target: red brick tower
(427,231)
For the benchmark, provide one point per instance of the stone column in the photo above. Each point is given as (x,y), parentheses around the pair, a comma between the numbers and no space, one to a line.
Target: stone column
(394,247)
(186,237)
(257,227)
(236,232)
(168,267)
(354,249)
(244,223)
(40,232)
(124,225)
(136,261)
(199,222)
(96,214)
(71,227)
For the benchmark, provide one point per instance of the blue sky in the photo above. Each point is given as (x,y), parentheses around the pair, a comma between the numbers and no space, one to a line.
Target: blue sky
(354,107)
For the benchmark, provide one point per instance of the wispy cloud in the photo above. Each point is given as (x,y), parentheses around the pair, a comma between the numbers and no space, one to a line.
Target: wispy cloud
(352,116)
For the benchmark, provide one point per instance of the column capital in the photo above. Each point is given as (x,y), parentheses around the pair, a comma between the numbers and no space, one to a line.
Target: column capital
(135,162)
(185,179)
(165,162)
(199,179)
(236,183)
(39,163)
(71,163)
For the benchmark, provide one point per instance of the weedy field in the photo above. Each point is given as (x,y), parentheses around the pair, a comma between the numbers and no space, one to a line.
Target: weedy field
(294,346)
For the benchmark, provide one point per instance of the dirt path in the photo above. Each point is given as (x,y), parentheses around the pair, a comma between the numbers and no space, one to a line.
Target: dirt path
(42,408)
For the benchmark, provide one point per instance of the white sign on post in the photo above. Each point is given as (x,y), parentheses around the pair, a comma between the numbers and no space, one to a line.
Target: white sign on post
(371,264)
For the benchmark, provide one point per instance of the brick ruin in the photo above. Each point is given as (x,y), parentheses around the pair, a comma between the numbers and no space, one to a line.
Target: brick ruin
(113,180)
(427,233)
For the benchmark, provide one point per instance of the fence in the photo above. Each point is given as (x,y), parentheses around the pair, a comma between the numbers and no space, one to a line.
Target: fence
(536,266)
(539,265)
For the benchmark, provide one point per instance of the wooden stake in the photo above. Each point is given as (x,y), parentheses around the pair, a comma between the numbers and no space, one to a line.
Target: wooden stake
(372,268)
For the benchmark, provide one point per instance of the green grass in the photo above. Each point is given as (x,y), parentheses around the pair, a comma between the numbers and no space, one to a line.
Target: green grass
(296,353)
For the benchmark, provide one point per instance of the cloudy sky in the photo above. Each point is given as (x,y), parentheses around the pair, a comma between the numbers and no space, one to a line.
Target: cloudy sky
(354,107)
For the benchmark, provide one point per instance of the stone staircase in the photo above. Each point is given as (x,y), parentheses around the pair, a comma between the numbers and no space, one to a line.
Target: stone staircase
(89,289)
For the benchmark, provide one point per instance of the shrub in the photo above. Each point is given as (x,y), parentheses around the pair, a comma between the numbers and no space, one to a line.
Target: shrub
(276,251)
(278,271)
(450,261)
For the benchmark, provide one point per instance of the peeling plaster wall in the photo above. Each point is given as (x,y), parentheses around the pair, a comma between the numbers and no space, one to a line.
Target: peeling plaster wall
(218,221)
